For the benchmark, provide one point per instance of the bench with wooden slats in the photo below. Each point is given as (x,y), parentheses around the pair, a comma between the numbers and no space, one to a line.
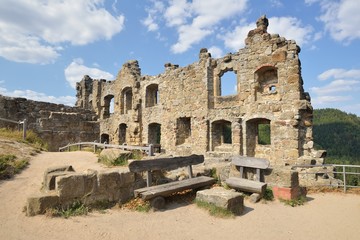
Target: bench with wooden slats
(157,193)
(247,185)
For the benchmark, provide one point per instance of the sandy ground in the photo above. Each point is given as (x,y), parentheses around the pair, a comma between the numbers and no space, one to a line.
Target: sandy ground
(325,216)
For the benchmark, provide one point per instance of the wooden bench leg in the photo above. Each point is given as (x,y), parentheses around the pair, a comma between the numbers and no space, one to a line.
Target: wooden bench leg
(158,203)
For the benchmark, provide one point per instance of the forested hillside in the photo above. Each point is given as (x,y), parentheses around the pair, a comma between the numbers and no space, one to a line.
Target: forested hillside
(339,134)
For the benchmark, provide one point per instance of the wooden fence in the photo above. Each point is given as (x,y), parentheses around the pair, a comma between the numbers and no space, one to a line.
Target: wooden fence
(148,149)
(23,123)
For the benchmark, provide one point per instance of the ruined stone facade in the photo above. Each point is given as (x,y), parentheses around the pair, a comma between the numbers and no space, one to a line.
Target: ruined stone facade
(183,108)
(56,124)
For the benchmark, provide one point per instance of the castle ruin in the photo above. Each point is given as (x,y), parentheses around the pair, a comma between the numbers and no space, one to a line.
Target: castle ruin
(183,108)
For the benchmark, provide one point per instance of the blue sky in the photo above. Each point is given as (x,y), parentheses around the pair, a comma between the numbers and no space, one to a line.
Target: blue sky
(46,46)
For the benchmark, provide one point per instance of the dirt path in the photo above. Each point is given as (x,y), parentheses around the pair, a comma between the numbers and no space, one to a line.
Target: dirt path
(329,216)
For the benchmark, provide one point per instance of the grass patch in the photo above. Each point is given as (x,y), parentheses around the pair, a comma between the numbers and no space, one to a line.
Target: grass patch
(215,210)
(10,165)
(31,138)
(75,209)
(294,202)
(122,160)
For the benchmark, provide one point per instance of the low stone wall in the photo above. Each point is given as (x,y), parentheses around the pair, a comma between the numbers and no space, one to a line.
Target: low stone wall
(56,124)
(88,187)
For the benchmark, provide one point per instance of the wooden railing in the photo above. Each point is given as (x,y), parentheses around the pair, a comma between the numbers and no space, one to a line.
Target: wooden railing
(23,123)
(340,169)
(148,149)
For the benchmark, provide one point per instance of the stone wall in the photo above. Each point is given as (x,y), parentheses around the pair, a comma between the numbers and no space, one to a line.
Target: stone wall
(54,123)
(184,110)
(62,186)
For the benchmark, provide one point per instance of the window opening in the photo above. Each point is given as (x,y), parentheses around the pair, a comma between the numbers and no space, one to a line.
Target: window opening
(154,133)
(152,95)
(183,132)
(228,83)
(122,133)
(108,107)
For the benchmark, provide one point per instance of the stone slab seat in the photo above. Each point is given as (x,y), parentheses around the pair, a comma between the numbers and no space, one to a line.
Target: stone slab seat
(246,185)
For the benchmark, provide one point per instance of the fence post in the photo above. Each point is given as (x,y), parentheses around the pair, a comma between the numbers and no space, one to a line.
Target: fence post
(151,150)
(24,129)
(344,177)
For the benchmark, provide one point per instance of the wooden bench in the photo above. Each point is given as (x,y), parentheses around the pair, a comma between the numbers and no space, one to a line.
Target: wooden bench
(157,193)
(247,185)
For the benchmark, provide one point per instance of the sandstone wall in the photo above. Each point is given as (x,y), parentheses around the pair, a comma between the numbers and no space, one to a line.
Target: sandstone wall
(184,110)
(54,123)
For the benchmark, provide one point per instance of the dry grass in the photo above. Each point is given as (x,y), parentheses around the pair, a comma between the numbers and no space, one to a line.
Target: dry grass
(332,190)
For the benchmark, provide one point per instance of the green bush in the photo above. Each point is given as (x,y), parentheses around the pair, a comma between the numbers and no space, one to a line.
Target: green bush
(268,195)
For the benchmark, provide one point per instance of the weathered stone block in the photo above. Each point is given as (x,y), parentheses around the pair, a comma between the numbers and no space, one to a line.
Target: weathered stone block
(220,197)
(70,186)
(38,204)
(51,173)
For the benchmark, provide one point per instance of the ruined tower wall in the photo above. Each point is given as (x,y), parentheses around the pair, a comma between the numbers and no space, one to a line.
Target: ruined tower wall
(184,110)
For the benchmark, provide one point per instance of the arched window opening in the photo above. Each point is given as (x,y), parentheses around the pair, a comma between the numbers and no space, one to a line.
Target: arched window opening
(152,95)
(267,78)
(104,138)
(258,133)
(228,83)
(154,133)
(221,133)
(122,133)
(108,107)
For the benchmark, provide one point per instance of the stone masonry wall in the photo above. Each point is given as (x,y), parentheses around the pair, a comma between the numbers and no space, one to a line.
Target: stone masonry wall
(54,123)
(184,109)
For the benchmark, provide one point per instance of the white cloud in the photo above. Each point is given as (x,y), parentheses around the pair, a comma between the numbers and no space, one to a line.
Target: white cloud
(341,19)
(336,86)
(288,27)
(215,52)
(341,89)
(153,15)
(323,100)
(36,96)
(177,13)
(339,73)
(150,23)
(76,71)
(193,20)
(235,40)
(291,28)
(34,31)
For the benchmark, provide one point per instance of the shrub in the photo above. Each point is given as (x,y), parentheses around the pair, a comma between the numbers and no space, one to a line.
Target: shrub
(268,195)
(10,165)
(294,202)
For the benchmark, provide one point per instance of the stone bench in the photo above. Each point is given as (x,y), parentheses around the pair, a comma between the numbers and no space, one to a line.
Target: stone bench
(220,197)
(158,193)
(248,185)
